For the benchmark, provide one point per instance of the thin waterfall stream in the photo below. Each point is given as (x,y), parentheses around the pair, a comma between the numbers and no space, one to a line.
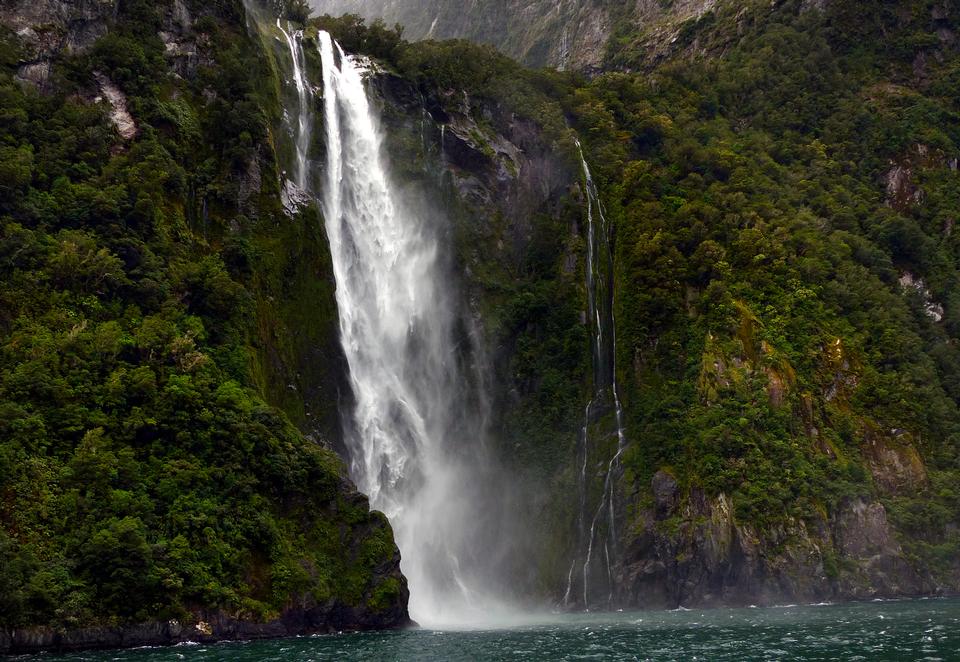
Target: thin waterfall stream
(591,522)
(304,127)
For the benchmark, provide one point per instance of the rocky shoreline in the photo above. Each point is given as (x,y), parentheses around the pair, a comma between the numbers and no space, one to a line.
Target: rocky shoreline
(201,629)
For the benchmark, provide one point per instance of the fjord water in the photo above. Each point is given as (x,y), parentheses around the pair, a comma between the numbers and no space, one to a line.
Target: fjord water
(893,631)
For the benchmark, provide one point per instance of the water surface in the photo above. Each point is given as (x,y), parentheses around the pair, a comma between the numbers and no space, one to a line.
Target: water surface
(895,630)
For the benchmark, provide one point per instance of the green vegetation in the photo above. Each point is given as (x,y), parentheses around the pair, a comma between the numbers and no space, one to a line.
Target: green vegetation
(764,334)
(142,473)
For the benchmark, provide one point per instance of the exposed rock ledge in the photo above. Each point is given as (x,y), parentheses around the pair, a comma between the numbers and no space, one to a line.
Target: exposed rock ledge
(119,114)
(204,628)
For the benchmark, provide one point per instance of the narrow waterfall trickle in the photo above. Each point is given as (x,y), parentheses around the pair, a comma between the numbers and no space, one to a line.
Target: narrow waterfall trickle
(412,439)
(597,526)
(304,126)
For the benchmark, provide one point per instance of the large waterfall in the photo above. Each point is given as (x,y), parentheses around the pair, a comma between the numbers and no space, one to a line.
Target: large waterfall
(414,436)
(591,570)
(415,425)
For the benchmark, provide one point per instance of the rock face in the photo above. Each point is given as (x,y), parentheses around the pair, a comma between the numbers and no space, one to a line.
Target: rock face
(690,551)
(49,27)
(119,115)
(564,34)
(510,171)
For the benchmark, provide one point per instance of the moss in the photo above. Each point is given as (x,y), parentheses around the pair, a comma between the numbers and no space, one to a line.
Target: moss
(385,595)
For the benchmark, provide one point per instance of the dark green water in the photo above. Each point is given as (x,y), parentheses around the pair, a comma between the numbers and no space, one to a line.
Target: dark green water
(902,630)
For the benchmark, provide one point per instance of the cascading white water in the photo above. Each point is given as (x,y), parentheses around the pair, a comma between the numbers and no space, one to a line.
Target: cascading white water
(409,436)
(599,281)
(304,127)
(416,426)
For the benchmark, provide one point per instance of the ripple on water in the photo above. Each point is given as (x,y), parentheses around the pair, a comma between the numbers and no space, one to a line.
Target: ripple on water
(912,630)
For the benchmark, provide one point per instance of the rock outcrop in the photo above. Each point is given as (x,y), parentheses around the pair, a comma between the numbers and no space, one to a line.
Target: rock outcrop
(500,164)
(690,551)
(47,28)
(119,114)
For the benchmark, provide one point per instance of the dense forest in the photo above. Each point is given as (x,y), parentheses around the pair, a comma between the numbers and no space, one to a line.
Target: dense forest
(143,474)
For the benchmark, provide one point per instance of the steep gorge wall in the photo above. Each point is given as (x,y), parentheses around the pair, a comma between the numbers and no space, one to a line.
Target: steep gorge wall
(564,34)
(509,179)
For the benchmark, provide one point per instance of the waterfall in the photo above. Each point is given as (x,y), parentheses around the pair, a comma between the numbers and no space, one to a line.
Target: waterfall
(304,127)
(591,523)
(412,441)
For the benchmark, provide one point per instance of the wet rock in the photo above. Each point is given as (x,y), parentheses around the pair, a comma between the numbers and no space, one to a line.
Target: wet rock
(35,73)
(863,535)
(294,198)
(699,555)
(500,165)
(250,181)
(900,189)
(894,462)
(911,283)
(665,493)
(899,180)
(182,45)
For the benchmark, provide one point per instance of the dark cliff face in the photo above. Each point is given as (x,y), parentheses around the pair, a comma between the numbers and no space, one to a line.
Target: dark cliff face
(47,29)
(711,560)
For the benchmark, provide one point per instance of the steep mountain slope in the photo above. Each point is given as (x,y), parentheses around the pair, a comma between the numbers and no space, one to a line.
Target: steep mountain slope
(150,282)
(559,34)
(565,34)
